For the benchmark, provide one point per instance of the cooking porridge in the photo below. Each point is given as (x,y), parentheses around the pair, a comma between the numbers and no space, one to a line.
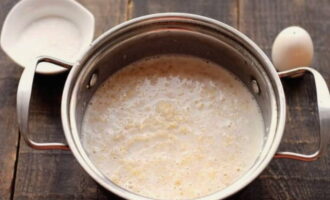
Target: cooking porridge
(173,127)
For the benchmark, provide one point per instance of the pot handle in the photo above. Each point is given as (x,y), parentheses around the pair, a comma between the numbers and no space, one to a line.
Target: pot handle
(323,103)
(23,104)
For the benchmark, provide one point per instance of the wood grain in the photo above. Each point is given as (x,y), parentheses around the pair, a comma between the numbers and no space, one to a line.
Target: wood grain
(9,76)
(288,179)
(222,10)
(56,174)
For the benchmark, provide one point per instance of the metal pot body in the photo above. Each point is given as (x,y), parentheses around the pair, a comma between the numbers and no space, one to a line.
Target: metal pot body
(172,33)
(177,34)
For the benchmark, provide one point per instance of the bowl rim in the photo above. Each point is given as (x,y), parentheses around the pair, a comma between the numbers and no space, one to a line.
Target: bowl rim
(21,4)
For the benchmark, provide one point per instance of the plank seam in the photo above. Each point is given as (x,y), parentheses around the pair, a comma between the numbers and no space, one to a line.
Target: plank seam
(15,167)
(129,10)
(238,14)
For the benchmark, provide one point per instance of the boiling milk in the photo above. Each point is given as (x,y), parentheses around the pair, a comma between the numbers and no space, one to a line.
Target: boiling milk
(173,127)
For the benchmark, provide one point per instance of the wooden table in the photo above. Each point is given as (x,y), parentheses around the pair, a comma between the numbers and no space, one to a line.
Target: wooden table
(29,174)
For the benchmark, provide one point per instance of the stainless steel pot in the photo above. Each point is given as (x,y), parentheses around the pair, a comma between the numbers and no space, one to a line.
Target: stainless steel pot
(174,33)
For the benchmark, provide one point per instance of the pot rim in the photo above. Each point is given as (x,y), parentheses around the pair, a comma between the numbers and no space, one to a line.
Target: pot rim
(275,131)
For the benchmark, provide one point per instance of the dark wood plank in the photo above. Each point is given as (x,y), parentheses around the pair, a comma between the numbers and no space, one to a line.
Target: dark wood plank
(222,10)
(287,179)
(56,174)
(9,76)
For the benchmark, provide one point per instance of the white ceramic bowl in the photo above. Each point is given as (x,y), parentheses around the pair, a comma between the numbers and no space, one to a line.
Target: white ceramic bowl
(28,12)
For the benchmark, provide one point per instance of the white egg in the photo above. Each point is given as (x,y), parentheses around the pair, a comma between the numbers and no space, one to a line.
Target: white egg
(293,47)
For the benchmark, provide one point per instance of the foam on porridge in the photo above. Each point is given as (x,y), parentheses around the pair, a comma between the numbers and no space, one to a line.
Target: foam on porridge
(173,127)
